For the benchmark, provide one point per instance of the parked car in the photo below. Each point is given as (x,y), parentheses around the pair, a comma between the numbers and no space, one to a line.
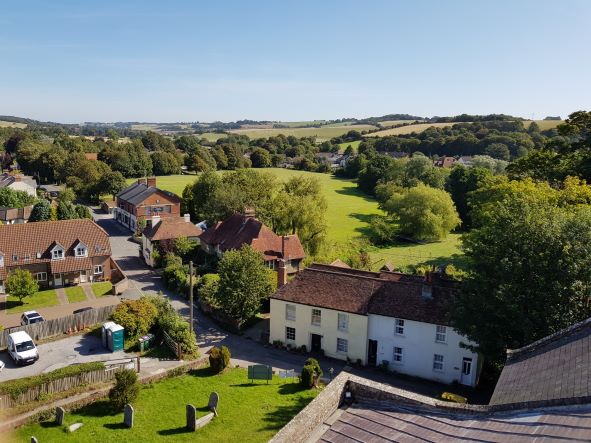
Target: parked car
(21,348)
(30,317)
(78,311)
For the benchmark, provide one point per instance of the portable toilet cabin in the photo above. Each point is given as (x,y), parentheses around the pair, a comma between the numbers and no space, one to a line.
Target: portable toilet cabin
(113,336)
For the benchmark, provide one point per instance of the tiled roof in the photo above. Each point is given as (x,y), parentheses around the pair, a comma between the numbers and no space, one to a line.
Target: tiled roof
(70,264)
(29,239)
(8,179)
(239,229)
(333,290)
(340,263)
(365,292)
(556,369)
(382,422)
(168,228)
(7,214)
(138,192)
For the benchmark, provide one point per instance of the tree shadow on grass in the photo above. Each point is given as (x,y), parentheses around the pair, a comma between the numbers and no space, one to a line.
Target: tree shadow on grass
(99,409)
(202,372)
(49,424)
(279,417)
(355,192)
(291,388)
(175,431)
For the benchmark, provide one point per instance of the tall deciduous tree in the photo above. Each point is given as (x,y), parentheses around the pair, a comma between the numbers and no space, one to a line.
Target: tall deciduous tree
(460,183)
(528,264)
(20,283)
(245,282)
(41,211)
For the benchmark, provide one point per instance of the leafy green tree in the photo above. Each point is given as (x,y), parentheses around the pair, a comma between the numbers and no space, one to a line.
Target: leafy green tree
(260,158)
(82,211)
(379,168)
(66,211)
(112,183)
(528,267)
(10,198)
(126,389)
(499,151)
(245,282)
(460,184)
(66,196)
(41,211)
(153,141)
(423,212)
(165,163)
(200,160)
(136,316)
(20,283)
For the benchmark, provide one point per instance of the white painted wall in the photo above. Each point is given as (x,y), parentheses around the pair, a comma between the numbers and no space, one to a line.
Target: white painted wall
(24,186)
(419,346)
(356,335)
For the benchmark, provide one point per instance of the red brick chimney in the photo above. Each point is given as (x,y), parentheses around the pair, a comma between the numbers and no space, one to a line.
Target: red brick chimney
(249,212)
(281,273)
(151,182)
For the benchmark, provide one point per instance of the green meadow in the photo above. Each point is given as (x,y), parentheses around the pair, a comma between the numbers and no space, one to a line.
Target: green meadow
(348,215)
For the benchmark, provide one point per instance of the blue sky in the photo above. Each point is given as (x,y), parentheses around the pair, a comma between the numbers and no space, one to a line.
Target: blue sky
(73,61)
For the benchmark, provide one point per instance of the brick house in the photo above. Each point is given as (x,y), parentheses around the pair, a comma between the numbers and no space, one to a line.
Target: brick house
(57,253)
(143,200)
(281,253)
(166,229)
(9,216)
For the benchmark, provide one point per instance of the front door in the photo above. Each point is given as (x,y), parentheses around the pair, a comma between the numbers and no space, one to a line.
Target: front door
(57,280)
(82,276)
(466,378)
(372,353)
(316,343)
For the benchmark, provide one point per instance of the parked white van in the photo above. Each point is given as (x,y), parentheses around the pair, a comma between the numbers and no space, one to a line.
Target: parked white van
(21,348)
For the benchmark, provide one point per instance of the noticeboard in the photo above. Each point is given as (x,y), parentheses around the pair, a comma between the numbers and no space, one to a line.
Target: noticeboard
(260,372)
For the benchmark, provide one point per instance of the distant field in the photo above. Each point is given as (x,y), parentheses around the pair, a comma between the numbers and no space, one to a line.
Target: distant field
(4,124)
(322,133)
(211,136)
(544,124)
(354,145)
(408,129)
(348,215)
(390,123)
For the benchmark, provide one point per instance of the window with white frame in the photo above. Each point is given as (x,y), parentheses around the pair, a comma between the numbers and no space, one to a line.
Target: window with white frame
(41,276)
(343,322)
(81,251)
(289,333)
(290,312)
(316,317)
(1,261)
(438,362)
(57,253)
(399,326)
(397,358)
(440,334)
(98,269)
(342,345)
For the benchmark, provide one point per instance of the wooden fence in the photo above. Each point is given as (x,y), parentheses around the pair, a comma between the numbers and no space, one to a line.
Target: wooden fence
(67,383)
(62,325)
(173,345)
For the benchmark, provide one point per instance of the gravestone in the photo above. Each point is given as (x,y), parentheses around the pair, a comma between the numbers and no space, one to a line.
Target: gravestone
(34,440)
(204,420)
(128,416)
(212,405)
(191,417)
(75,427)
(59,415)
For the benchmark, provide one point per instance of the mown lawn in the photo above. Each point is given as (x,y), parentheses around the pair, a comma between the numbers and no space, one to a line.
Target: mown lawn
(75,294)
(41,299)
(247,412)
(102,288)
(348,215)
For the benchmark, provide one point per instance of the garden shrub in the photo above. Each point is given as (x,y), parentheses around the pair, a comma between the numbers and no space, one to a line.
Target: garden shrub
(311,366)
(219,358)
(126,389)
(136,316)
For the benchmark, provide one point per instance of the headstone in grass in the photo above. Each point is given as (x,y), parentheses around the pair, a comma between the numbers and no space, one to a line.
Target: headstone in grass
(75,427)
(59,415)
(128,416)
(191,418)
(34,440)
(212,405)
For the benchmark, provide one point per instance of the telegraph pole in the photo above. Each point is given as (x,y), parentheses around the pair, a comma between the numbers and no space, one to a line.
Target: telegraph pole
(191,296)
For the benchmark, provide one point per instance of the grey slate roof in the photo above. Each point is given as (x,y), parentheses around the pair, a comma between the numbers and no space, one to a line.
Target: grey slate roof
(136,193)
(554,370)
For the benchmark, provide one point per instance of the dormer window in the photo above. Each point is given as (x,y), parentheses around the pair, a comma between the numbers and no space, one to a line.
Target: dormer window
(80,250)
(14,257)
(57,253)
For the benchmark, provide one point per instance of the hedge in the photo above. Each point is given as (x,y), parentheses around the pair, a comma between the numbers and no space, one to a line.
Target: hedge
(14,388)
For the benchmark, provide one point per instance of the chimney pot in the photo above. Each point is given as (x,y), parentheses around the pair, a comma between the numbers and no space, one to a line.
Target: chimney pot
(187,218)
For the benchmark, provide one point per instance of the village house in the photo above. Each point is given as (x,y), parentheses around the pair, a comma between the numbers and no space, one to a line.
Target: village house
(57,253)
(9,216)
(166,230)
(19,182)
(445,162)
(382,319)
(143,200)
(281,253)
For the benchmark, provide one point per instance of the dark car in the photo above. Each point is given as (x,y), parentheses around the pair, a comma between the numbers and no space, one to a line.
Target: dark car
(78,311)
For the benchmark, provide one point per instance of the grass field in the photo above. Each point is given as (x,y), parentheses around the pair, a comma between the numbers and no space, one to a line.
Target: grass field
(390,123)
(248,413)
(408,129)
(322,133)
(544,124)
(5,124)
(101,289)
(75,294)
(354,145)
(41,299)
(348,215)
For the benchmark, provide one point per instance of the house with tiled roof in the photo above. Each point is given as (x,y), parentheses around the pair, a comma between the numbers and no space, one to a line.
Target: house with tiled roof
(386,319)
(9,216)
(143,200)
(57,253)
(167,230)
(278,251)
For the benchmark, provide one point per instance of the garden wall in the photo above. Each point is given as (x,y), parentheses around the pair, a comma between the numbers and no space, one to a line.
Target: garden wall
(62,325)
